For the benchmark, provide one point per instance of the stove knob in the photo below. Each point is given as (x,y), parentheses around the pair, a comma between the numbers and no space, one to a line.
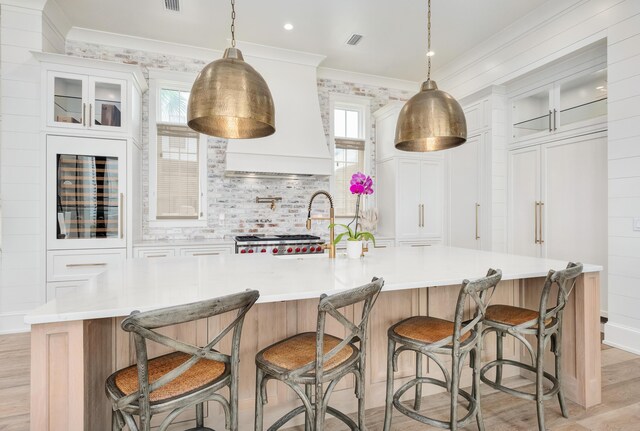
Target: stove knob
(251,251)
(304,250)
(297,249)
(312,249)
(264,250)
(243,251)
(319,250)
(289,250)
(275,250)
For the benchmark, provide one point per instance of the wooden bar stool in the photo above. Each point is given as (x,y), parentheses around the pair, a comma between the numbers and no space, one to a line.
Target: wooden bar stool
(307,362)
(185,378)
(546,325)
(430,336)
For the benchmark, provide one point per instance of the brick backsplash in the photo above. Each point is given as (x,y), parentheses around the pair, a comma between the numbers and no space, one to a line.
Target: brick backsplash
(235,197)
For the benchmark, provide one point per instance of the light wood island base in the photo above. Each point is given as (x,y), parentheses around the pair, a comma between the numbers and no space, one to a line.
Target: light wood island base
(71,360)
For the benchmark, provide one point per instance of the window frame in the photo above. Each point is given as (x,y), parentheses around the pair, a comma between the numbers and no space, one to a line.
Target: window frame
(179,82)
(362,104)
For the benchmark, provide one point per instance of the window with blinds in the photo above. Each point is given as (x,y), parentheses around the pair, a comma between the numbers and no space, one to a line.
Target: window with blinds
(179,162)
(348,157)
(178,173)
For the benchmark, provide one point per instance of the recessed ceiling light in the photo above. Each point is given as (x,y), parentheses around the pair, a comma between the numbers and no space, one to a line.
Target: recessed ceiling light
(288,26)
(430,54)
(600,88)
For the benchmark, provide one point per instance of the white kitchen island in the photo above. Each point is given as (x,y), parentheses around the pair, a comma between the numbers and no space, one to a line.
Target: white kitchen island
(77,342)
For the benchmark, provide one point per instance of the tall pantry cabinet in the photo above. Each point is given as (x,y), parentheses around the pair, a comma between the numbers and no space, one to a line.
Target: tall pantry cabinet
(557,165)
(92,139)
(410,187)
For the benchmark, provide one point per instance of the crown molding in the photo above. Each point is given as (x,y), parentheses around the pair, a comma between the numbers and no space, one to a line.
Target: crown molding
(36,5)
(180,50)
(366,79)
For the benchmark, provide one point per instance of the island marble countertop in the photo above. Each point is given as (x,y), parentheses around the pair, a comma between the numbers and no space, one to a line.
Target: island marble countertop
(145,284)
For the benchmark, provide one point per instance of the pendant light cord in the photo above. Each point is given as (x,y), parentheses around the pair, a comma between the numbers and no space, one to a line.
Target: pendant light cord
(233,23)
(429,40)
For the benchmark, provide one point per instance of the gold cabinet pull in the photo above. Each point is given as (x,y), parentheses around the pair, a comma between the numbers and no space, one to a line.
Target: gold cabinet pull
(205,254)
(550,126)
(77,265)
(84,117)
(535,225)
(541,205)
(477,209)
(422,206)
(90,113)
(419,215)
(121,215)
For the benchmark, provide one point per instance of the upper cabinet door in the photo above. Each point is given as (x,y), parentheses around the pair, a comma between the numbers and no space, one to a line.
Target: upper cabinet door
(107,102)
(432,194)
(409,202)
(464,194)
(524,200)
(582,100)
(67,100)
(532,114)
(82,102)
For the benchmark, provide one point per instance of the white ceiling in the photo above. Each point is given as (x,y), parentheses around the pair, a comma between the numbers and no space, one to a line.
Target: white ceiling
(394,43)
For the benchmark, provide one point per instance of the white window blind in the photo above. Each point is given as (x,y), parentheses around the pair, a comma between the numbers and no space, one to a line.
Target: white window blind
(178,173)
(349,159)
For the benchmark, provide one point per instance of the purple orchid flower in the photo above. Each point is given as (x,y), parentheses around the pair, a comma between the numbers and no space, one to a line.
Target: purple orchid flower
(361,184)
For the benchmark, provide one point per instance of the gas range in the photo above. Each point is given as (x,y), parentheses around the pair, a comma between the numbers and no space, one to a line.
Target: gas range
(279,244)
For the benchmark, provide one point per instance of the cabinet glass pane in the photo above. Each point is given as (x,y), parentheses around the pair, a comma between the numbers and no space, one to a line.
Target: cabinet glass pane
(108,104)
(531,114)
(67,100)
(583,98)
(87,197)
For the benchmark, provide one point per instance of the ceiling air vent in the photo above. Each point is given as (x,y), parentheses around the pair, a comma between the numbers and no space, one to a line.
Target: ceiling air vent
(354,39)
(172,5)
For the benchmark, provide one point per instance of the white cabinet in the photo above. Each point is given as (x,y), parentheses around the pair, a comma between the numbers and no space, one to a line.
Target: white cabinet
(86,102)
(411,198)
(184,248)
(465,193)
(86,193)
(576,101)
(558,201)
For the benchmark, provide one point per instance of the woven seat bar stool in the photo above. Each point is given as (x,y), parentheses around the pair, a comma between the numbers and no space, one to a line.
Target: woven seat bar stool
(185,378)
(430,336)
(546,325)
(311,364)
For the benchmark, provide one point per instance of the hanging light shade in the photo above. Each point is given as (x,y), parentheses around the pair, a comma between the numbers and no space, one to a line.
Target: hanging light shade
(230,99)
(432,120)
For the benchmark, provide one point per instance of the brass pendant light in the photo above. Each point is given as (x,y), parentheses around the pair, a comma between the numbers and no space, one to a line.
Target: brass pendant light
(230,99)
(432,120)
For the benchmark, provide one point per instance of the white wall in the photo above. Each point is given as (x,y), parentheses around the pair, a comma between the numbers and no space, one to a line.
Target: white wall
(552,31)
(21,167)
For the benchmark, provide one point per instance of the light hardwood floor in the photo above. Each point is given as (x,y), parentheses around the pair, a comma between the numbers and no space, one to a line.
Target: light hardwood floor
(620,408)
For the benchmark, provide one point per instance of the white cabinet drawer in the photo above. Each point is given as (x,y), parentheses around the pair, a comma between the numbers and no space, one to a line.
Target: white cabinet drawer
(205,251)
(81,265)
(59,288)
(417,243)
(382,243)
(154,252)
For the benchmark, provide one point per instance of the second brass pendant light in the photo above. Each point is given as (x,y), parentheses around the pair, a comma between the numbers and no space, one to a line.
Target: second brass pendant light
(230,99)
(432,120)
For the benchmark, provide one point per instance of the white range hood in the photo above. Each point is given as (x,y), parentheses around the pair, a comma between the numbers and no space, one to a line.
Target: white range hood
(299,145)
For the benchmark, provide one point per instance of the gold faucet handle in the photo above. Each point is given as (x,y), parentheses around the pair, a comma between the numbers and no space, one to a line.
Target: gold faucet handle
(308,224)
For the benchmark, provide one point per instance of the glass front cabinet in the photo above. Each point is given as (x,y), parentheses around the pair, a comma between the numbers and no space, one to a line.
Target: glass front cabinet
(574,102)
(86,185)
(86,102)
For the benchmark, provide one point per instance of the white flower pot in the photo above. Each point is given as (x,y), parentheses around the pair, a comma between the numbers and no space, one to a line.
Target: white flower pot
(354,249)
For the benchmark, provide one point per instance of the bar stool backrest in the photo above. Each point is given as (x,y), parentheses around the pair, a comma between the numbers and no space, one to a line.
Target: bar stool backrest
(480,291)
(565,280)
(142,326)
(367,294)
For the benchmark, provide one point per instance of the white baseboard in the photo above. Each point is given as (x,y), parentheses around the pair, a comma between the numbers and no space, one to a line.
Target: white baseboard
(13,323)
(622,337)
